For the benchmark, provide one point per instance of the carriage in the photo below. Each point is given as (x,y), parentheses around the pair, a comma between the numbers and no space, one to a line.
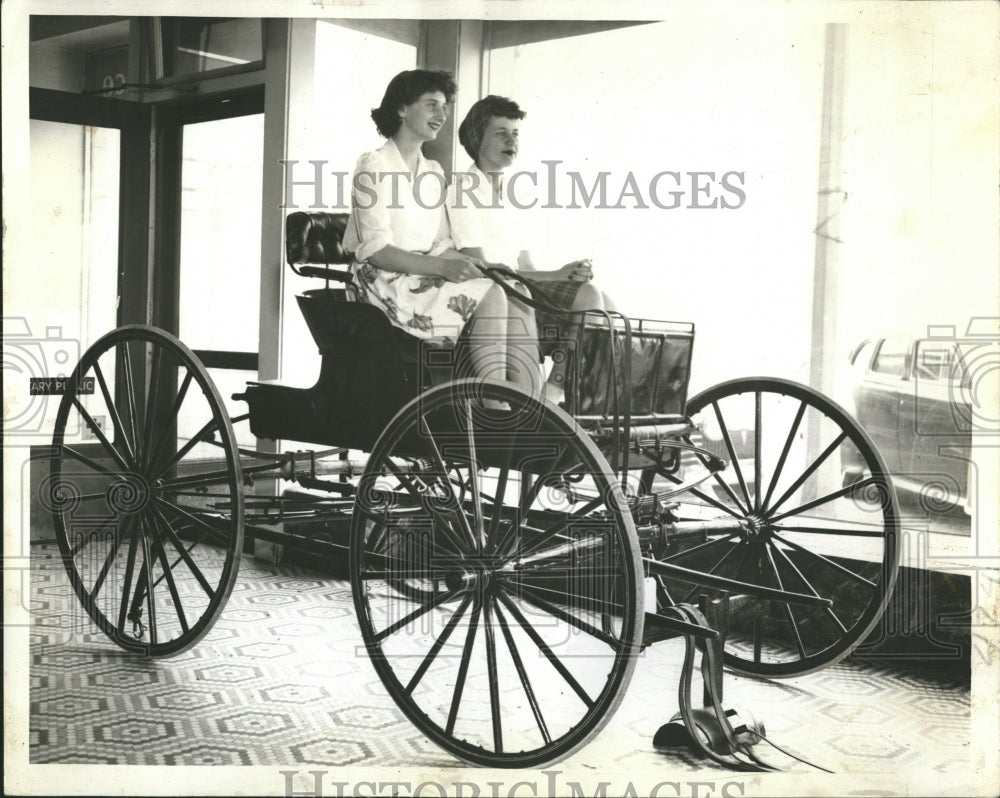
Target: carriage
(509,558)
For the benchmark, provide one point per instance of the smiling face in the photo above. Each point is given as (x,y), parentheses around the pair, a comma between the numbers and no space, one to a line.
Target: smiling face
(423,118)
(500,143)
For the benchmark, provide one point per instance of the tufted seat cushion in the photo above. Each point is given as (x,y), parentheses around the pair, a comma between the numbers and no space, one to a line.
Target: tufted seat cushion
(316,237)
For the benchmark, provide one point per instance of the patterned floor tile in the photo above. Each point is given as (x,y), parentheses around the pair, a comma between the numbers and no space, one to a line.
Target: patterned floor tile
(284,679)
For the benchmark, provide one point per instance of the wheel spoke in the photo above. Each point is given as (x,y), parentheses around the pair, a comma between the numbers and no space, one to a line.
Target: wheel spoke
(168,426)
(463,521)
(130,398)
(789,440)
(829,497)
(112,553)
(546,650)
(419,612)
(161,554)
(477,502)
(717,476)
(185,554)
(562,525)
(427,502)
(501,490)
(828,610)
(823,530)
(127,584)
(522,673)
(710,499)
(577,600)
(806,474)
(758,434)
(493,676)
(99,434)
(185,512)
(789,615)
(147,562)
(80,457)
(756,616)
(732,453)
(828,562)
(700,547)
(530,594)
(147,435)
(741,546)
(438,644)
(410,570)
(463,668)
(208,429)
(113,411)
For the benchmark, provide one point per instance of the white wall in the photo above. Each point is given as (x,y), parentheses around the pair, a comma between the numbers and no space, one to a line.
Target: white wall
(921,160)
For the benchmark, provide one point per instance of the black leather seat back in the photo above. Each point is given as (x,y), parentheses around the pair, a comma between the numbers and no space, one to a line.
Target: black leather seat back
(316,237)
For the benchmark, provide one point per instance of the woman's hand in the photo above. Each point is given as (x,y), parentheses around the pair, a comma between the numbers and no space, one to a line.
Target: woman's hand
(461,268)
(579,271)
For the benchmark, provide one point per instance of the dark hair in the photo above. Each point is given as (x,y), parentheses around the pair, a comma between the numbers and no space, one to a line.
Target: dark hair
(406,88)
(471,131)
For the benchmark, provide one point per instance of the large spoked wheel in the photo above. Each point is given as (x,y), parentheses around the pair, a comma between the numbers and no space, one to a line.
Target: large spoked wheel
(519,627)
(806,505)
(146,491)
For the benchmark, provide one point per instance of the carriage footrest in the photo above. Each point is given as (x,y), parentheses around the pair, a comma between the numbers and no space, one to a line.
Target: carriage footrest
(659,627)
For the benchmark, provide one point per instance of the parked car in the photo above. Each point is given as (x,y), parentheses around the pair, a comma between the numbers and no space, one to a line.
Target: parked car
(911,394)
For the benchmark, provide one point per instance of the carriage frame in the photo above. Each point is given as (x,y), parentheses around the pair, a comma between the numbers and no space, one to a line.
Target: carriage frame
(498,544)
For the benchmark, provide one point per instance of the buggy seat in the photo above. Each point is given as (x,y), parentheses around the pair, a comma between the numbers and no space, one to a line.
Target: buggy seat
(369,368)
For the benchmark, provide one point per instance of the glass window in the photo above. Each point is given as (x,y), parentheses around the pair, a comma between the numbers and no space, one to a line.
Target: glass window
(221,184)
(891,358)
(189,46)
(638,146)
(67,297)
(862,355)
(935,360)
(342,129)
(344,96)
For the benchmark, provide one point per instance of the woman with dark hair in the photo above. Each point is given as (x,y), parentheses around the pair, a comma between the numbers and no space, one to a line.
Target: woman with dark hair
(486,226)
(405,262)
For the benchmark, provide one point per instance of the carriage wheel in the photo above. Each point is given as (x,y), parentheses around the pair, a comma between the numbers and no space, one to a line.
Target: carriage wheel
(514,663)
(146,491)
(784,516)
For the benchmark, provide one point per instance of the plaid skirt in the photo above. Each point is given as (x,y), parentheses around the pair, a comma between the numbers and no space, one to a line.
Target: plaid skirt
(553,326)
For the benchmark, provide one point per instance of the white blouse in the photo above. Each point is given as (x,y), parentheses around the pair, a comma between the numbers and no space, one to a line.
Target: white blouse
(478,218)
(389,206)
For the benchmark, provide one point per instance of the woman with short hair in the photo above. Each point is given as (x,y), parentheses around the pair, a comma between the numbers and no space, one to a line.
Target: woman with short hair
(404,259)
(486,225)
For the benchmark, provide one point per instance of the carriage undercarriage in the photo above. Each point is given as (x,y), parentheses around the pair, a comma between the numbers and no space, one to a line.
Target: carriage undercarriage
(509,558)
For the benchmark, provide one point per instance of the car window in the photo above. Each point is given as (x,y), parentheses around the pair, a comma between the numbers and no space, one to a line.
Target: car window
(861,355)
(891,357)
(935,360)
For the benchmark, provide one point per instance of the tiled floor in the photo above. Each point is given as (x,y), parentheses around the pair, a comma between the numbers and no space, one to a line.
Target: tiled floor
(280,681)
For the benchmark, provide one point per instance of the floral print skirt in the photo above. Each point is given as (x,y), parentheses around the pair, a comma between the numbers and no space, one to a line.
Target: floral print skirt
(421,305)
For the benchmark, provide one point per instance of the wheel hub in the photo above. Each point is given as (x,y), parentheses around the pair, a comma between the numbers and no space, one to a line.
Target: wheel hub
(467,578)
(130,493)
(756,528)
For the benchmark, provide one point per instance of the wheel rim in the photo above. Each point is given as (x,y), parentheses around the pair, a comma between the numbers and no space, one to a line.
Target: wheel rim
(794,522)
(149,511)
(518,635)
